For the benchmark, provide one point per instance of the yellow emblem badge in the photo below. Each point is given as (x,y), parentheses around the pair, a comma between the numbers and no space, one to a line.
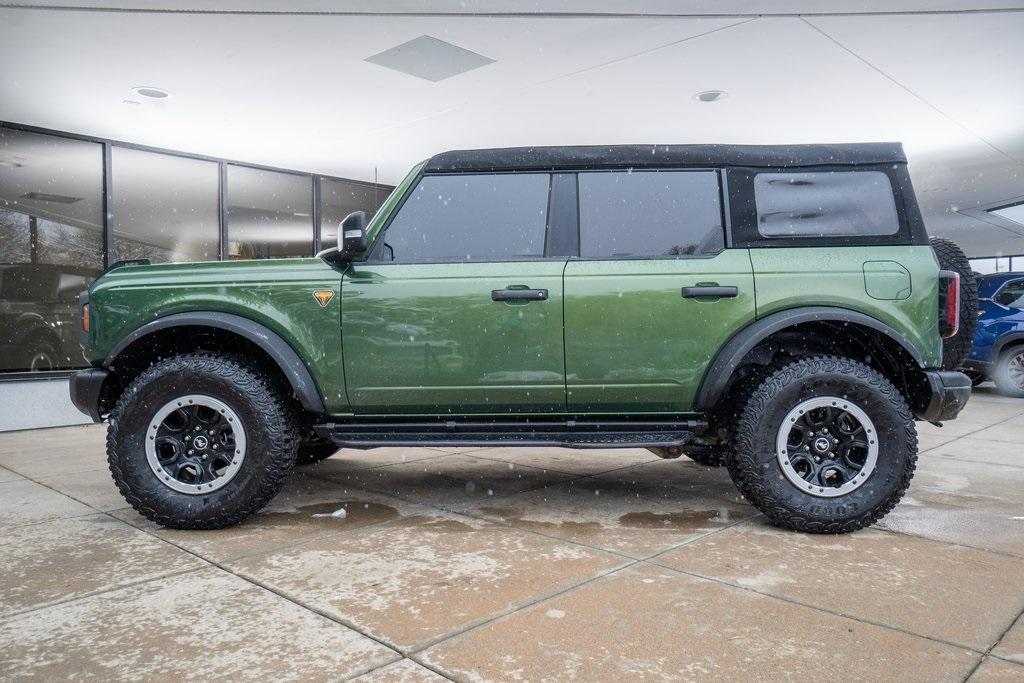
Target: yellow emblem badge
(323,296)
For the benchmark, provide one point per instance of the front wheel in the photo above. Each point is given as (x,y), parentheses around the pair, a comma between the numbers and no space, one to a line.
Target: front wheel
(200,442)
(824,445)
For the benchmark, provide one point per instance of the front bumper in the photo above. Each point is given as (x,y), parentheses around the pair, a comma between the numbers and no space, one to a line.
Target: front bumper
(950,391)
(86,387)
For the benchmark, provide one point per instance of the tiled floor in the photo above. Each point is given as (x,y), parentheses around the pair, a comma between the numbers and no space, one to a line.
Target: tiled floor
(509,564)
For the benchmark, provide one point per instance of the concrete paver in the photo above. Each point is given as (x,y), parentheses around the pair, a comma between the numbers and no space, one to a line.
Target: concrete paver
(872,575)
(1012,645)
(994,670)
(414,580)
(646,623)
(26,502)
(67,558)
(205,624)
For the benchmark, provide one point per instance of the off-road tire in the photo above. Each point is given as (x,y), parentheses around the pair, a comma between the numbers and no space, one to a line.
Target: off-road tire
(313,451)
(268,419)
(951,257)
(754,466)
(1001,372)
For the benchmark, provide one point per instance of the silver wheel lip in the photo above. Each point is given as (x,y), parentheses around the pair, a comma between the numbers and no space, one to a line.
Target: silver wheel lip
(782,446)
(236,428)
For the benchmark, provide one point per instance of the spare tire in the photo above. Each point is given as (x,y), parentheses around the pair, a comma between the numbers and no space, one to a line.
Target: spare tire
(951,257)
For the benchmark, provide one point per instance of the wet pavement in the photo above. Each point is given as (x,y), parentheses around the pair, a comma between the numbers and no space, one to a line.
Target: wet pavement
(516,564)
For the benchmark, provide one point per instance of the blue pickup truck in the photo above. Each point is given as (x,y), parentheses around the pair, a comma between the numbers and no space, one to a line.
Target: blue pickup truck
(998,351)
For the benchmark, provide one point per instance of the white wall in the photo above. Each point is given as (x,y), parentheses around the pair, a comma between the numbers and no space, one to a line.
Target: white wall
(37,403)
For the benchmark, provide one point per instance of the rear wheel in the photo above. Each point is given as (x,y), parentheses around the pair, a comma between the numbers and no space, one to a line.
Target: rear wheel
(824,445)
(1009,372)
(200,442)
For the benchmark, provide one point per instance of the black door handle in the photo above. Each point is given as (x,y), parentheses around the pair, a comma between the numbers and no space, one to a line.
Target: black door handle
(709,291)
(519,294)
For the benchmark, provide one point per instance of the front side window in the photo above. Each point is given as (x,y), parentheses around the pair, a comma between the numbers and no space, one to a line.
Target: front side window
(625,214)
(470,218)
(1011,295)
(825,204)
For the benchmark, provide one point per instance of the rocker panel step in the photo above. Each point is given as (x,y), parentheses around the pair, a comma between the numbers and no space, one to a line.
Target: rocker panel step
(565,434)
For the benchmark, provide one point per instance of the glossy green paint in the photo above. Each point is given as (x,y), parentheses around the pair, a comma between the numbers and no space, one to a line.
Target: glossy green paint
(835,276)
(634,344)
(276,293)
(428,339)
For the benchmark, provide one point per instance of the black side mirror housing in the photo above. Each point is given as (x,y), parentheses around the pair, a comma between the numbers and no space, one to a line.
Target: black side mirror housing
(351,238)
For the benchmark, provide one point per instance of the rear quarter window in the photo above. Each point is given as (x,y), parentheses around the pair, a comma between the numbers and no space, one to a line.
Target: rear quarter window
(824,204)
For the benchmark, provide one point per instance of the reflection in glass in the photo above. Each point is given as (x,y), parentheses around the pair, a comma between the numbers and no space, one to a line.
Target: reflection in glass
(339,198)
(626,214)
(51,246)
(270,214)
(825,204)
(165,207)
(471,218)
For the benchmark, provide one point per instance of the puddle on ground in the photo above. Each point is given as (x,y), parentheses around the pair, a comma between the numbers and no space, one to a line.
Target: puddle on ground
(685,519)
(673,520)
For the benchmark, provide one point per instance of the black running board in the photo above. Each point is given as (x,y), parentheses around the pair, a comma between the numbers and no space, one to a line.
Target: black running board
(525,432)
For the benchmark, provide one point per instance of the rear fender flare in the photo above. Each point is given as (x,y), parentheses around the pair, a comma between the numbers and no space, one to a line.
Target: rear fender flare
(728,358)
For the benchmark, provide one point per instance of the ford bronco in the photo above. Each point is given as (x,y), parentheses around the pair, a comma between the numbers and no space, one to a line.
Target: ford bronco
(776,309)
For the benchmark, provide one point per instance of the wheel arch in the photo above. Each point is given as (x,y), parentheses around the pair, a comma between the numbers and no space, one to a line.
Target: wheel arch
(160,334)
(733,355)
(1007,341)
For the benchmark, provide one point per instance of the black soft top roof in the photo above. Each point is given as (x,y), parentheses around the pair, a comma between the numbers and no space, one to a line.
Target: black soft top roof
(664,156)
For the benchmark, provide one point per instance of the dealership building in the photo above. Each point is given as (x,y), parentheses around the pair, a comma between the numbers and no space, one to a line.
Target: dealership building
(72,206)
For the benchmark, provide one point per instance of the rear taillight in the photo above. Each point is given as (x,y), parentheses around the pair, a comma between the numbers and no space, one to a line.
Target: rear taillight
(949,303)
(85,317)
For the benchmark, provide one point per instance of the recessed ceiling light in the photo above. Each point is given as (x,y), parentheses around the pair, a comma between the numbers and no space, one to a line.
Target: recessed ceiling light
(151,92)
(710,95)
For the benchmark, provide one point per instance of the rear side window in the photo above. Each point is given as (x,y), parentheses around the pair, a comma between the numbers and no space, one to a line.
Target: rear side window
(825,204)
(470,218)
(1011,295)
(626,214)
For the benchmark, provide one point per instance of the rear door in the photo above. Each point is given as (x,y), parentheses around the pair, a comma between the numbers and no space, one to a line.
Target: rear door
(458,310)
(654,292)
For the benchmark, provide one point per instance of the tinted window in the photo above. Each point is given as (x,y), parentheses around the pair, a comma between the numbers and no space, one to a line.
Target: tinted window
(165,207)
(51,246)
(649,213)
(1011,295)
(270,214)
(338,199)
(825,204)
(471,218)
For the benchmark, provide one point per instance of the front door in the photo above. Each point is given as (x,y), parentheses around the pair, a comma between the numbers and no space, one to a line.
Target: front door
(458,309)
(653,294)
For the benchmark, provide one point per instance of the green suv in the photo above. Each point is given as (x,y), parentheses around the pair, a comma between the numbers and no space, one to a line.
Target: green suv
(776,309)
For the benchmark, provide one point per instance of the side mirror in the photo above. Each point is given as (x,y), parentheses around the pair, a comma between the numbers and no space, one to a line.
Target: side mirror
(351,238)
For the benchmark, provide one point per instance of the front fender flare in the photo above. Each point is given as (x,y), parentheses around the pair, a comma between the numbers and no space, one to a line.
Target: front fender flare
(728,358)
(295,371)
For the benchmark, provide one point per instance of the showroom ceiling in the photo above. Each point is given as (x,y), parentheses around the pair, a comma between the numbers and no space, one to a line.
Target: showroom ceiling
(290,85)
